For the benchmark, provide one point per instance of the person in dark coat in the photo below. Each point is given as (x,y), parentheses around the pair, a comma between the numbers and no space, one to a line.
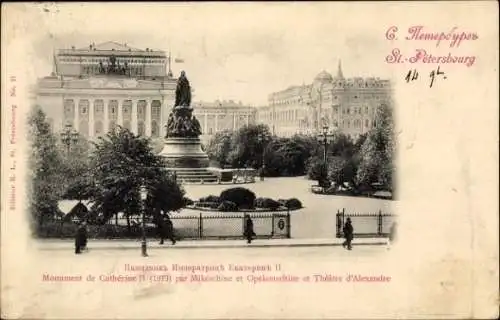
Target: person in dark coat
(166,229)
(248,233)
(81,238)
(392,234)
(348,234)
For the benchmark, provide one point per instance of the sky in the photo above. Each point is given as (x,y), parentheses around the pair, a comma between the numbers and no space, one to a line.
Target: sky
(239,51)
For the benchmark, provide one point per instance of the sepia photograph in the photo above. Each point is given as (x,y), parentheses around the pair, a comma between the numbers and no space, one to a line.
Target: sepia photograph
(225,160)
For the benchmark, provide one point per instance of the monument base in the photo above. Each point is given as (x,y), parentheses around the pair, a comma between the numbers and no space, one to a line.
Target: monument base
(184,153)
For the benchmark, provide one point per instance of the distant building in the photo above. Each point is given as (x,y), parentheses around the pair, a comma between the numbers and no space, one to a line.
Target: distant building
(344,104)
(222,115)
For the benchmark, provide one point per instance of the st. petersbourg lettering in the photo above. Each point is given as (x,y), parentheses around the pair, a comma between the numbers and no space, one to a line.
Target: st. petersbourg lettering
(423,56)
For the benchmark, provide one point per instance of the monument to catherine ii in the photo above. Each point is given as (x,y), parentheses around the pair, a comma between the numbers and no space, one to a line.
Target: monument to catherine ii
(182,148)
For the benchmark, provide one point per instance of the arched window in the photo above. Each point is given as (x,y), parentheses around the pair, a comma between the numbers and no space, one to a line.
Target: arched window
(141,109)
(83,128)
(367,123)
(98,129)
(126,125)
(141,130)
(112,126)
(154,129)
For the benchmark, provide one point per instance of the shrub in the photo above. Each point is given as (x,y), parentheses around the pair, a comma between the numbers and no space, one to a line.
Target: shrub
(210,198)
(187,201)
(242,197)
(227,206)
(293,204)
(267,203)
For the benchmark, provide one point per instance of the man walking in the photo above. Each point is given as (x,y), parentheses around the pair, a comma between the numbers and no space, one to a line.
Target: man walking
(81,238)
(166,229)
(392,235)
(348,234)
(248,233)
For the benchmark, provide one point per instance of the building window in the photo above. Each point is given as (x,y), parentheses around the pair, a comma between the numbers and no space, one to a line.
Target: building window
(126,125)
(112,126)
(348,124)
(154,129)
(367,123)
(366,109)
(141,129)
(98,130)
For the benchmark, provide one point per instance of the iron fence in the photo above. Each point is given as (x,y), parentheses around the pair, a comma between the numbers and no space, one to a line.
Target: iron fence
(366,225)
(206,225)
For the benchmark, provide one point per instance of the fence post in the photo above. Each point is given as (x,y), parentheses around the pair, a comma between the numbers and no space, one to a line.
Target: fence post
(379,229)
(288,231)
(273,224)
(200,226)
(337,224)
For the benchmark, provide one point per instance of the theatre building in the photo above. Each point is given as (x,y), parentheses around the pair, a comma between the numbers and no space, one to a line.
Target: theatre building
(95,88)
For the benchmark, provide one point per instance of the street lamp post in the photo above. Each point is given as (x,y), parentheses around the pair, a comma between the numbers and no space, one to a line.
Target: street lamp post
(144,195)
(262,139)
(324,140)
(69,136)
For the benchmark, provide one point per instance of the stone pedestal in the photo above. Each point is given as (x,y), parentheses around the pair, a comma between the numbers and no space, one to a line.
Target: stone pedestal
(180,152)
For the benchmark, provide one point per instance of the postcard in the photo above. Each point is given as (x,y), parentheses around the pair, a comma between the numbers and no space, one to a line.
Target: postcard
(237,160)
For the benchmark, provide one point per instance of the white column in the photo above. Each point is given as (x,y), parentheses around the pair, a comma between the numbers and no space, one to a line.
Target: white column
(216,123)
(91,117)
(134,116)
(119,120)
(148,118)
(106,116)
(248,119)
(77,115)
(205,124)
(161,125)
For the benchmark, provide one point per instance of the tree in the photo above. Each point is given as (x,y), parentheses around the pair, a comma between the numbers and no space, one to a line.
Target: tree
(287,156)
(247,148)
(219,147)
(317,169)
(123,162)
(75,168)
(377,151)
(45,162)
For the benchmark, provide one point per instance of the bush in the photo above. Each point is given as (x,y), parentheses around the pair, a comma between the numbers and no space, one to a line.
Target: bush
(267,203)
(187,201)
(227,206)
(293,204)
(242,197)
(211,198)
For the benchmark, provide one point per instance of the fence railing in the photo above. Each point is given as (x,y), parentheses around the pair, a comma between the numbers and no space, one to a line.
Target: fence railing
(207,225)
(365,225)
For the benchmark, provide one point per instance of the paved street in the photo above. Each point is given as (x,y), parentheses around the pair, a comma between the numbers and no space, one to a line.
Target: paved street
(157,298)
(317,219)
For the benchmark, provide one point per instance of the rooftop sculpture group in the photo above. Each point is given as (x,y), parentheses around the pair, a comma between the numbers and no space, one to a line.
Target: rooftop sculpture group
(181,123)
(113,67)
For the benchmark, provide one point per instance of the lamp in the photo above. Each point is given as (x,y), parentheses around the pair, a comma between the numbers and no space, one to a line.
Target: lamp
(144,195)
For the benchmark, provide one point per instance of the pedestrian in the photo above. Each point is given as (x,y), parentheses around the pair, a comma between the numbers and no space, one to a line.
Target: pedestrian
(392,235)
(248,233)
(348,234)
(81,238)
(166,229)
